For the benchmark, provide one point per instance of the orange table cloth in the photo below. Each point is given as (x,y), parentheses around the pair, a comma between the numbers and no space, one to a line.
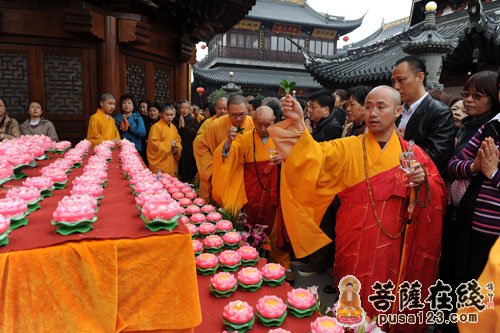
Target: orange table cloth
(119,277)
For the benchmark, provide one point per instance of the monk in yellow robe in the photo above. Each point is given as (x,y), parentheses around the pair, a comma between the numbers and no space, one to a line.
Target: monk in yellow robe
(164,144)
(246,177)
(385,229)
(102,125)
(204,147)
(220,110)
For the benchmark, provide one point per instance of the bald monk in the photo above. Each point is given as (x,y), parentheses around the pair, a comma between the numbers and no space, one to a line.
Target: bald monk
(374,239)
(220,110)
(216,133)
(164,144)
(246,176)
(102,125)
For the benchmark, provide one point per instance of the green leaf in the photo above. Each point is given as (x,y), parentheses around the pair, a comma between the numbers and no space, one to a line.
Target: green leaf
(291,85)
(284,84)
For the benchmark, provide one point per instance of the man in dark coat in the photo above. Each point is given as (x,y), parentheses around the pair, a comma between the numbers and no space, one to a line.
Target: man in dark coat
(187,127)
(323,115)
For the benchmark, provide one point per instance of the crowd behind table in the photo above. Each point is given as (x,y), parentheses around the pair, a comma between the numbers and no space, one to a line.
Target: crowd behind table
(309,168)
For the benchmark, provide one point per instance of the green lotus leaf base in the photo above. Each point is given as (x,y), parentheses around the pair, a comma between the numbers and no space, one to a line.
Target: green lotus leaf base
(300,313)
(213,250)
(59,185)
(222,232)
(249,262)
(250,287)
(41,158)
(160,224)
(229,268)
(198,253)
(204,235)
(68,228)
(207,271)
(234,246)
(3,181)
(18,221)
(55,151)
(4,238)
(274,283)
(240,328)
(271,322)
(223,294)
(46,193)
(33,207)
(77,165)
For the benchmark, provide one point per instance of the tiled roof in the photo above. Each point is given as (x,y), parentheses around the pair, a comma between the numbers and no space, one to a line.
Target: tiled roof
(255,77)
(283,12)
(373,64)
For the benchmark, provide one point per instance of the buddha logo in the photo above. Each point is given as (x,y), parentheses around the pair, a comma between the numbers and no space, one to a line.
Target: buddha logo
(349,311)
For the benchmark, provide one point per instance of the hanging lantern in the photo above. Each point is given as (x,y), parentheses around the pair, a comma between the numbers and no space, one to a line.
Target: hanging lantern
(345,38)
(200,90)
(203,46)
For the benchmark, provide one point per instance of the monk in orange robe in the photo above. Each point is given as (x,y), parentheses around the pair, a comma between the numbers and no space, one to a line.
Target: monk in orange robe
(374,239)
(246,176)
(164,144)
(220,110)
(102,125)
(204,147)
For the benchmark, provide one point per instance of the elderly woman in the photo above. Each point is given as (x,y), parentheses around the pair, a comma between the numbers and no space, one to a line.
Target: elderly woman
(130,123)
(36,124)
(9,127)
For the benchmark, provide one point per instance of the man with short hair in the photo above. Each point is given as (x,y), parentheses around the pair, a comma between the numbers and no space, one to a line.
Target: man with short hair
(220,110)
(428,122)
(323,114)
(102,125)
(215,134)
(385,230)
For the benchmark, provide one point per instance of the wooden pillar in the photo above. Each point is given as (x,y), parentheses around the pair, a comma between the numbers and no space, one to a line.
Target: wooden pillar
(109,64)
(181,81)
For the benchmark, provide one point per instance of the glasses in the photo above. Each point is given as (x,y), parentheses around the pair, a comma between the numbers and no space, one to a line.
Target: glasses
(475,95)
(237,115)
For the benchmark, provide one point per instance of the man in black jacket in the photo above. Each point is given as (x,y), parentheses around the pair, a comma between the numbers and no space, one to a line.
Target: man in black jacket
(424,120)
(324,116)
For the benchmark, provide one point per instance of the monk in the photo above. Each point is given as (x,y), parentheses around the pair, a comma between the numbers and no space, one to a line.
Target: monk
(246,177)
(101,124)
(385,228)
(204,146)
(220,110)
(164,144)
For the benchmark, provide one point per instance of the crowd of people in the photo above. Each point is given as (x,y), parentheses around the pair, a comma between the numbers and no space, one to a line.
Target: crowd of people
(384,183)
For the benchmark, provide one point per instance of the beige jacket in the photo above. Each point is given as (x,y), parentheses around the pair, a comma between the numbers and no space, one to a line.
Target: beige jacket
(10,128)
(44,127)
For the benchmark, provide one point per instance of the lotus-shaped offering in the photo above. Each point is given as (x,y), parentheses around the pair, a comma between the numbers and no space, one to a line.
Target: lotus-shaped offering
(238,316)
(190,195)
(192,209)
(14,209)
(213,243)
(232,239)
(206,263)
(224,226)
(199,201)
(44,184)
(177,195)
(4,230)
(273,274)
(229,260)
(326,325)
(198,218)
(161,215)
(61,147)
(184,202)
(206,228)
(223,284)
(271,310)
(30,195)
(79,200)
(197,247)
(249,255)
(207,209)
(301,302)
(71,219)
(94,190)
(58,176)
(213,217)
(6,170)
(249,279)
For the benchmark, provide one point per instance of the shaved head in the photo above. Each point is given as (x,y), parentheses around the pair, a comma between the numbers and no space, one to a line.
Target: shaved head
(263,119)
(396,97)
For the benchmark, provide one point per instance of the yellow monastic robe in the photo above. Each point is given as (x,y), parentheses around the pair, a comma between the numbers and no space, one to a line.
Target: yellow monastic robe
(199,117)
(228,187)
(159,151)
(206,124)
(488,320)
(101,128)
(204,148)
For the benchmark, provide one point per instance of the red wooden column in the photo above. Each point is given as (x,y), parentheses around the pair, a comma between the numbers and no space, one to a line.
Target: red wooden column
(109,64)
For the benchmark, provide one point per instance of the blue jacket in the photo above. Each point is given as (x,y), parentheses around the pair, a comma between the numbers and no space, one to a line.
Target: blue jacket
(136,131)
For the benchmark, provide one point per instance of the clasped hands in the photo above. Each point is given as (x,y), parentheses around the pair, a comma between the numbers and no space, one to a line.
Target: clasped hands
(487,158)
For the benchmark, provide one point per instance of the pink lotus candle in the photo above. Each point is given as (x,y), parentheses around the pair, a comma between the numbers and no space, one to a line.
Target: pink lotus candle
(164,211)
(141,187)
(271,307)
(152,196)
(5,224)
(207,209)
(197,246)
(16,156)
(56,175)
(213,242)
(61,145)
(191,195)
(229,258)
(301,299)
(232,238)
(65,213)
(6,169)
(41,183)
(192,209)
(214,216)
(192,228)
(12,207)
(238,312)
(184,219)
(198,218)
(206,261)
(27,194)
(199,201)
(184,202)
(206,228)
(224,225)
(326,325)
(278,330)
(248,253)
(249,276)
(79,200)
(273,271)
(223,281)
(90,189)
(86,178)
(177,195)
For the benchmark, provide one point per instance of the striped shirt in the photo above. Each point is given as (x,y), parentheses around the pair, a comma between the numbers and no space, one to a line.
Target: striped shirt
(486,217)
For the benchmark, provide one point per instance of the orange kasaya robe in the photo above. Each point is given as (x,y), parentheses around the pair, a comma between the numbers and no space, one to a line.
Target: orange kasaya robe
(313,173)
(488,320)
(206,124)
(204,148)
(101,128)
(242,181)
(159,150)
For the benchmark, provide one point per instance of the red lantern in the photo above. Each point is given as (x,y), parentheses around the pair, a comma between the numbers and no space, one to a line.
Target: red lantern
(345,38)
(203,46)
(200,90)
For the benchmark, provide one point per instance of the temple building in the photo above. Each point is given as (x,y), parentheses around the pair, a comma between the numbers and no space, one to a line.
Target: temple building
(455,40)
(256,53)
(65,53)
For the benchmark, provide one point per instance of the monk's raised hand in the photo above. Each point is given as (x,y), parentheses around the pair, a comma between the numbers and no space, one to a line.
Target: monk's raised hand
(417,175)
(293,111)
(231,134)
